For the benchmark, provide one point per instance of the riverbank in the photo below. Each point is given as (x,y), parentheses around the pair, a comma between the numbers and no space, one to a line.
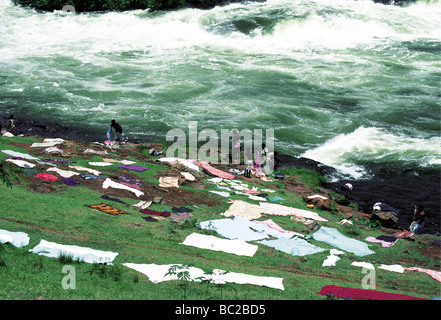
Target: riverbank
(55,211)
(401,191)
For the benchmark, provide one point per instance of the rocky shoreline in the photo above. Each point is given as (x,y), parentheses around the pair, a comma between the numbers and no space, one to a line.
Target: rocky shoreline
(103,6)
(400,191)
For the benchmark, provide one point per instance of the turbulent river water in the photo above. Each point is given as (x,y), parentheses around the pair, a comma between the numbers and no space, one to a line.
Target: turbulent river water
(352,84)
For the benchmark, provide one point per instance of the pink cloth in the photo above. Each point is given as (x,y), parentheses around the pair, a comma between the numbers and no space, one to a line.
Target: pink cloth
(47,176)
(344,292)
(131,185)
(217,172)
(434,274)
(403,234)
(272,225)
(384,244)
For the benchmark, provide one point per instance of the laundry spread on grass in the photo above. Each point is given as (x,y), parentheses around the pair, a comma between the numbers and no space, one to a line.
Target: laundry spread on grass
(17,239)
(244,209)
(133,167)
(108,183)
(282,210)
(77,253)
(384,244)
(240,226)
(243,229)
(366,294)
(21,163)
(64,173)
(47,143)
(47,176)
(178,161)
(334,238)
(167,182)
(156,213)
(434,274)
(332,259)
(237,247)
(19,155)
(107,209)
(160,273)
(293,246)
(214,171)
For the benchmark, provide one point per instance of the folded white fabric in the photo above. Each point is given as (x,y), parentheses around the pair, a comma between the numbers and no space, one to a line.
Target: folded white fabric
(109,183)
(101,164)
(21,163)
(392,267)
(63,173)
(92,171)
(186,163)
(47,143)
(238,247)
(332,259)
(365,265)
(55,250)
(17,239)
(221,193)
(157,274)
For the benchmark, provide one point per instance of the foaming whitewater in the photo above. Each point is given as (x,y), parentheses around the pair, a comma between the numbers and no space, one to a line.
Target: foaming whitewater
(350,152)
(351,84)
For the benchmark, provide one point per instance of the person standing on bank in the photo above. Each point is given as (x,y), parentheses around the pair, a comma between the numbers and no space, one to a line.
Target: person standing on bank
(417,226)
(118,130)
(11,124)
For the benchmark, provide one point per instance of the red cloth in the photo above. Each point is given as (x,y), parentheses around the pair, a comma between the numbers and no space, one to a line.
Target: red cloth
(46,176)
(156,213)
(344,292)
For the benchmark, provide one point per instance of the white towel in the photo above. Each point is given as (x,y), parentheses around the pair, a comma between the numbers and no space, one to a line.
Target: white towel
(55,250)
(109,183)
(156,274)
(17,239)
(21,163)
(63,173)
(238,247)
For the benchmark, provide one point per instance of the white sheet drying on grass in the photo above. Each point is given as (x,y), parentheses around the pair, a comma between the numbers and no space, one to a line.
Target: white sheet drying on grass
(92,171)
(47,143)
(184,162)
(242,229)
(21,163)
(17,239)
(64,173)
(238,247)
(278,209)
(55,250)
(244,209)
(109,183)
(157,274)
(19,154)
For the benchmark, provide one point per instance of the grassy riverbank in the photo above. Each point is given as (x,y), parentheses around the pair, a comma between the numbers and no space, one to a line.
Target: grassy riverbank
(58,213)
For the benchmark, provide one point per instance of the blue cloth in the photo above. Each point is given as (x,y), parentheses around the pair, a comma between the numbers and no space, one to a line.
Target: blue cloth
(276,198)
(294,246)
(236,228)
(91,176)
(335,238)
(109,133)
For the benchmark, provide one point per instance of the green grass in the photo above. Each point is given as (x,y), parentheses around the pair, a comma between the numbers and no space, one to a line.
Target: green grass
(62,217)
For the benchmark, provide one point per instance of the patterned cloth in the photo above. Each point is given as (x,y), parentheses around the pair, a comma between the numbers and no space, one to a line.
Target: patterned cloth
(434,274)
(351,293)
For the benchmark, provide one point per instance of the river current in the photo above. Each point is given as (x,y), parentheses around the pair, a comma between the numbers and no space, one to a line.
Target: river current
(352,84)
